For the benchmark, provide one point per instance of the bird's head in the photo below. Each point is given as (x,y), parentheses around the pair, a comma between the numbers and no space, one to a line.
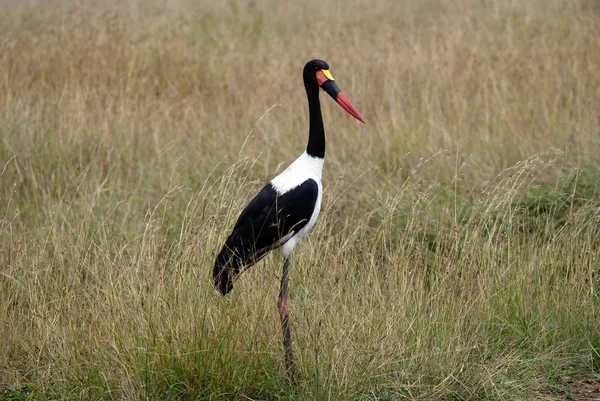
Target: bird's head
(316,74)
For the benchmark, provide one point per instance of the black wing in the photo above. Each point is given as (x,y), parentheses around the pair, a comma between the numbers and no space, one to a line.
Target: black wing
(265,220)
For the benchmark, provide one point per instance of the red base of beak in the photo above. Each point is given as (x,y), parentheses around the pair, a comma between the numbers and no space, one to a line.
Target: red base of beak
(343,101)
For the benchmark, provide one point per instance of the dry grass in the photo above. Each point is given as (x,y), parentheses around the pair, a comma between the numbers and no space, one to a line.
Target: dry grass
(457,255)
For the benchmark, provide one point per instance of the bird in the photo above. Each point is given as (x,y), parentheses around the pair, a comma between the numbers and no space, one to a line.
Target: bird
(287,207)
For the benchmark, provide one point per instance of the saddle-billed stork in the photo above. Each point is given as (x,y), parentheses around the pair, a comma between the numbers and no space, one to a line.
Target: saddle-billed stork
(287,208)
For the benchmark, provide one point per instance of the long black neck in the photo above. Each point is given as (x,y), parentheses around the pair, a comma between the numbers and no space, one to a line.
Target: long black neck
(316,135)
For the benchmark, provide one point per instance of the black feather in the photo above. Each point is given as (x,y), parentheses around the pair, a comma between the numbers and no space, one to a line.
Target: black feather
(263,222)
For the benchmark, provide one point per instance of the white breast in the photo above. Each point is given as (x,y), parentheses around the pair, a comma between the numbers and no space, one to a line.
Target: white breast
(302,169)
(305,167)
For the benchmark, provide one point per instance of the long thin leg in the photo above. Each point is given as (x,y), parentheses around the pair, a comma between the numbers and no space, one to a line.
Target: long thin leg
(284,314)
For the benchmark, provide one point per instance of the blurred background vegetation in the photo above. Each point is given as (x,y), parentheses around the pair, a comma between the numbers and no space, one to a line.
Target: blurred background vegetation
(458,253)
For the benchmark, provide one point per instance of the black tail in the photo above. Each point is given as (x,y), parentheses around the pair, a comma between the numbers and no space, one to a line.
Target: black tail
(232,260)
(223,271)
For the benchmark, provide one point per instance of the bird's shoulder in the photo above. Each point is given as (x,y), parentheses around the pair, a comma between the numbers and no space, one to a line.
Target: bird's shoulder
(305,193)
(269,203)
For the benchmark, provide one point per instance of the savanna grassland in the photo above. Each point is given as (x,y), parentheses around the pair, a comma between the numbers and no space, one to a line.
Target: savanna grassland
(457,256)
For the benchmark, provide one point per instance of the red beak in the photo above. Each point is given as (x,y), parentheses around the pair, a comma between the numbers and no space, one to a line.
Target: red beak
(343,101)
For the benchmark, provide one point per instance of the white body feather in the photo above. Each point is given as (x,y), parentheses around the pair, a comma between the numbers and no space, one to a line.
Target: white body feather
(303,168)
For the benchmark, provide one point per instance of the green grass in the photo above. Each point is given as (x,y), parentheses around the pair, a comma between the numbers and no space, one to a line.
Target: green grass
(456,257)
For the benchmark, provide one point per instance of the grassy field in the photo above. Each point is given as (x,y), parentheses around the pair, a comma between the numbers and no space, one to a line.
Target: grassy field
(457,256)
